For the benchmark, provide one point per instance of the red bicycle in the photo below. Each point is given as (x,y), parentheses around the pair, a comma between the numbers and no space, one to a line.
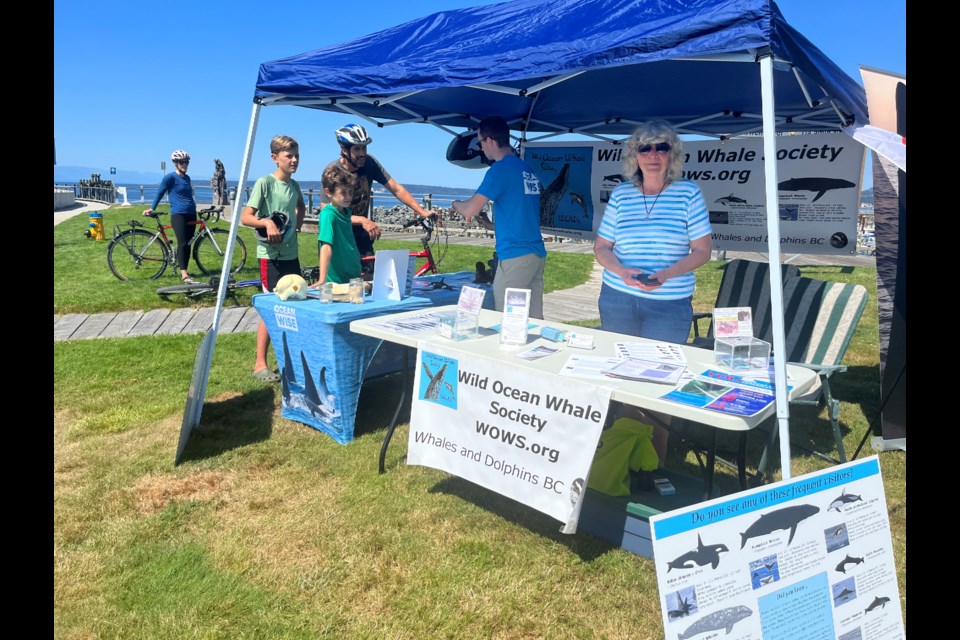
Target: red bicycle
(139,254)
(430,224)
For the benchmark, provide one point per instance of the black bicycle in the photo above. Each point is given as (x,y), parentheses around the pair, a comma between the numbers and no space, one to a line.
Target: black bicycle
(139,254)
(210,288)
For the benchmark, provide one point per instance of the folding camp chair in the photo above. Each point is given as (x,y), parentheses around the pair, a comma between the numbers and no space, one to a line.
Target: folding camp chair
(820,318)
(744,284)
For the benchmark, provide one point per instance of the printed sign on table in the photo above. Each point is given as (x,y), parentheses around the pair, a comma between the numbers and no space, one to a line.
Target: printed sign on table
(810,557)
(507,429)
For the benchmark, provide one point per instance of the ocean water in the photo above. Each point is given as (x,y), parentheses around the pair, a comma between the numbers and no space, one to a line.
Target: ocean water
(203,194)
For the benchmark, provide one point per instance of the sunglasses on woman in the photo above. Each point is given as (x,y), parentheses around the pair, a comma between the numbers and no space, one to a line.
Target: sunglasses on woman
(660,147)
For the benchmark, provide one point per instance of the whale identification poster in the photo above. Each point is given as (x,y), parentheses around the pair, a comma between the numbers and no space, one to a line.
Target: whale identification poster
(808,558)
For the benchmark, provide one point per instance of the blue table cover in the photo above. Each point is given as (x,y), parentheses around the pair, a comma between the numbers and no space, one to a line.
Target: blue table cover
(322,364)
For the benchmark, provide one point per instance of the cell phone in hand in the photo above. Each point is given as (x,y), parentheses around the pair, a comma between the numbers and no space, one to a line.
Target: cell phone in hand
(645,278)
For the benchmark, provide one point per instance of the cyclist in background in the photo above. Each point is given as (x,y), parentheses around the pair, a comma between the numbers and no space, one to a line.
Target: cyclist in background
(353,141)
(277,249)
(183,208)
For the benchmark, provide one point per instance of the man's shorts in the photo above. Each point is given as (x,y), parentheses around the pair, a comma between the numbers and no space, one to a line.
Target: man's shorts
(272,270)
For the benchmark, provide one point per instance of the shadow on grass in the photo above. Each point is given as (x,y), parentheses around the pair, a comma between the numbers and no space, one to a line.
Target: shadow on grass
(585,545)
(231,424)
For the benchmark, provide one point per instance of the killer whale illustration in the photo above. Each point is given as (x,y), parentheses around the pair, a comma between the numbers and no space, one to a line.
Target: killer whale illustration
(879,601)
(288,361)
(317,398)
(842,499)
(614,177)
(819,185)
(842,567)
(781,519)
(433,387)
(723,619)
(683,610)
(551,195)
(730,199)
(704,554)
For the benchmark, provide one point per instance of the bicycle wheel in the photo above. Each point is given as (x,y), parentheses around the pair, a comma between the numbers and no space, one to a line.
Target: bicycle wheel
(137,254)
(190,290)
(209,249)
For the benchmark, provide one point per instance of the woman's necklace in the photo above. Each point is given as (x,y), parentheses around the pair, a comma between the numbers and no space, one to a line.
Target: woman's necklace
(653,206)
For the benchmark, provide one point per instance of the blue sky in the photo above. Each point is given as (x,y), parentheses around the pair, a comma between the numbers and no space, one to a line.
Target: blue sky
(135,80)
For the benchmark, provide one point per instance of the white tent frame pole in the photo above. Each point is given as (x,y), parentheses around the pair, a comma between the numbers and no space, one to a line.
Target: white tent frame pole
(237,207)
(773,244)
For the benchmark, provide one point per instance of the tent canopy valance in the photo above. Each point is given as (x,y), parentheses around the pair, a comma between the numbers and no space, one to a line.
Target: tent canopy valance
(592,67)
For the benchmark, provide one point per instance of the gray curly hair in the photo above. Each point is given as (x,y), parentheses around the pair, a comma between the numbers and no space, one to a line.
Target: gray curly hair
(651,133)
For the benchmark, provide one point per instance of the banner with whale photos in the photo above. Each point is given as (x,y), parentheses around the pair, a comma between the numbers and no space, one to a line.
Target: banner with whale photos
(506,429)
(809,557)
(819,177)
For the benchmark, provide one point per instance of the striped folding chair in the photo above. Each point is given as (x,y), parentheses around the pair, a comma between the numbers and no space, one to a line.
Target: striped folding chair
(744,284)
(820,319)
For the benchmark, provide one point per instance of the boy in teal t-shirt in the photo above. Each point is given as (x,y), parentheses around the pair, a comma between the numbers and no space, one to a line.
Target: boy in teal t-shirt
(339,257)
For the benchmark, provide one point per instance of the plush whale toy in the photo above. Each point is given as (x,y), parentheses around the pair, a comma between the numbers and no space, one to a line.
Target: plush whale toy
(291,287)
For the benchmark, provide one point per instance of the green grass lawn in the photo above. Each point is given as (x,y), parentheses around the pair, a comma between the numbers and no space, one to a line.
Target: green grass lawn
(269,529)
(83,282)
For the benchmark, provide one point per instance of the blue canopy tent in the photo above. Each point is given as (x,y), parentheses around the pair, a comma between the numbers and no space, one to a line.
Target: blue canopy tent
(717,68)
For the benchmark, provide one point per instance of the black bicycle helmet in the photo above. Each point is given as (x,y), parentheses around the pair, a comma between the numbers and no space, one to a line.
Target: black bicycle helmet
(352,134)
(280,219)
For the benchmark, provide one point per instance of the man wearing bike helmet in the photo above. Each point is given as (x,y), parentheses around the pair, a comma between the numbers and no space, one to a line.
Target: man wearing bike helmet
(353,141)
(183,208)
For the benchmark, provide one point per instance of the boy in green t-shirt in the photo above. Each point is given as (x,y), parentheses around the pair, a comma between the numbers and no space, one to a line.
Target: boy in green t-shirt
(339,257)
(278,255)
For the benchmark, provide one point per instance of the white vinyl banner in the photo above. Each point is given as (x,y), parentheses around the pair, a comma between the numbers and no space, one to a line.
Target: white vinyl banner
(818,179)
(507,429)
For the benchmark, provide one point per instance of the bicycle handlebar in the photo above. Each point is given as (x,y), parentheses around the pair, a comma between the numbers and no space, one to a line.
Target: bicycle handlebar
(426,223)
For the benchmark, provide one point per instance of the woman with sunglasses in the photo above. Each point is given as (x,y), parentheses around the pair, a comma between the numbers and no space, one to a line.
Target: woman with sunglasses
(654,233)
(183,208)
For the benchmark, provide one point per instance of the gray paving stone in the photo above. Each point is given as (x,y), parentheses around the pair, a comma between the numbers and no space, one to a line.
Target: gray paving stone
(65,326)
(120,326)
(93,326)
(149,323)
(175,322)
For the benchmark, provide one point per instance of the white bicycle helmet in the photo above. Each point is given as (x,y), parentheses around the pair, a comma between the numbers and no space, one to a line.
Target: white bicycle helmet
(353,134)
(179,155)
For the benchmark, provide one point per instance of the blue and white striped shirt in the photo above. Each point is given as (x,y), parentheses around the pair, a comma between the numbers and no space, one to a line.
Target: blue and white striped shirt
(656,240)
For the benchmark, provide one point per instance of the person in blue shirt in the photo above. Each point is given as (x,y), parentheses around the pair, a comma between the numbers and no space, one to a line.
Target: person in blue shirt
(515,190)
(183,208)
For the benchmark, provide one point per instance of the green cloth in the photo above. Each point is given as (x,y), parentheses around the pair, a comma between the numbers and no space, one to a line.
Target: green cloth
(626,446)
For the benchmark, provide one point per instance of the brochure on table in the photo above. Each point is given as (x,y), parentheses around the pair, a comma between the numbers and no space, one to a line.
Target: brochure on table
(392,275)
(506,428)
(516,311)
(724,392)
(809,557)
